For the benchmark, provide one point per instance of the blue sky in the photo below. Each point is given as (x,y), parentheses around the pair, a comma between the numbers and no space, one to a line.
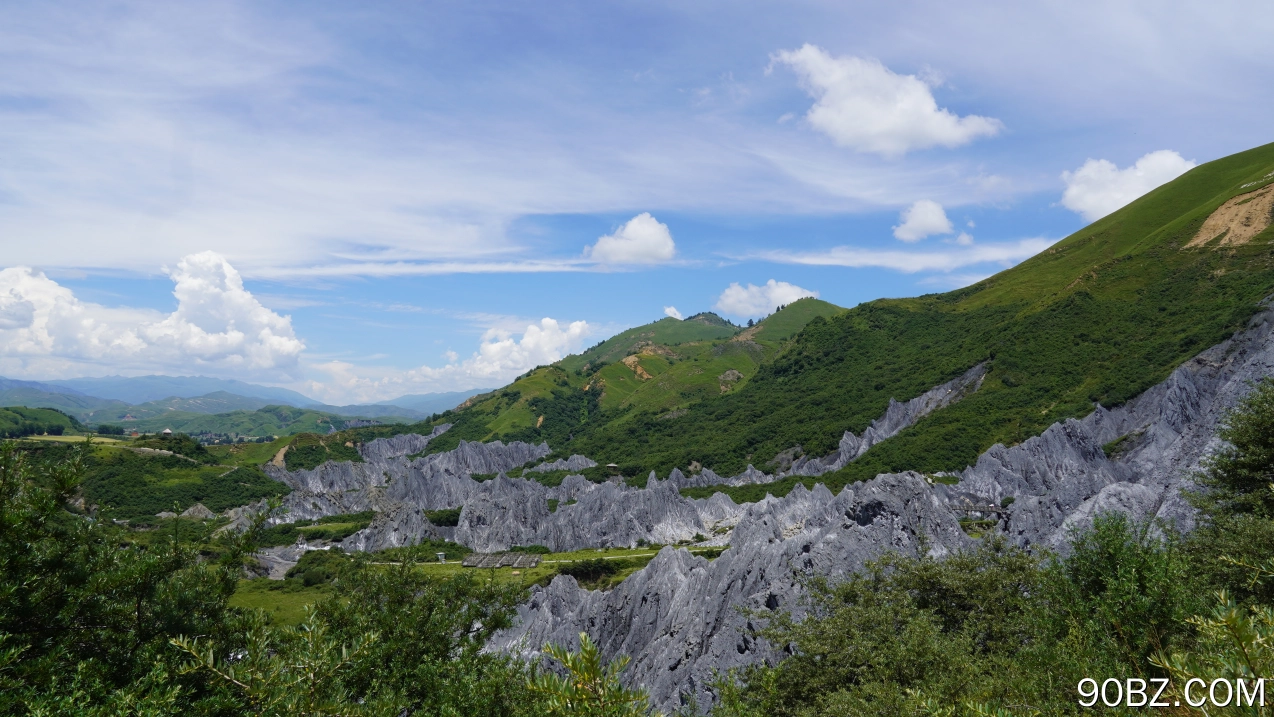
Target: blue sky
(364,200)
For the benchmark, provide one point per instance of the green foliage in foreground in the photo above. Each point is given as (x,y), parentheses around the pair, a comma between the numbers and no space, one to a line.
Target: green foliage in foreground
(92,623)
(999,631)
(993,626)
(589,687)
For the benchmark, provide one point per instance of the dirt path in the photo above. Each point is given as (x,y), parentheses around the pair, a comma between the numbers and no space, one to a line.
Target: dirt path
(277,460)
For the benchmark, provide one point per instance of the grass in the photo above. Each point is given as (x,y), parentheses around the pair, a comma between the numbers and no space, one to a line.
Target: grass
(283,600)
(792,318)
(333,527)
(73,439)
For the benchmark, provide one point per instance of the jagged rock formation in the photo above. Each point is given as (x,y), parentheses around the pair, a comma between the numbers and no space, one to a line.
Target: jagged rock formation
(897,417)
(1062,478)
(574,463)
(383,449)
(677,618)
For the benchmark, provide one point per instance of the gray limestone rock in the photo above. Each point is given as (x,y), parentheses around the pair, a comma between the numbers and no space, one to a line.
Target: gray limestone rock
(383,449)
(198,511)
(574,463)
(678,618)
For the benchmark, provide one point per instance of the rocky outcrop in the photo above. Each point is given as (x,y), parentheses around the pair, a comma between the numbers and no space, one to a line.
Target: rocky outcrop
(1062,478)
(897,417)
(679,619)
(574,463)
(383,449)
(403,525)
(515,512)
(198,511)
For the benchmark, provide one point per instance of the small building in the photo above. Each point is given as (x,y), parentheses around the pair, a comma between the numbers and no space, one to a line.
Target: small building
(613,468)
(166,432)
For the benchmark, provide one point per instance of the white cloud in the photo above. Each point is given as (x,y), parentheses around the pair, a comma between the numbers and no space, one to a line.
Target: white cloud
(1099,187)
(672,311)
(913,261)
(922,219)
(643,240)
(218,327)
(965,239)
(499,359)
(755,300)
(864,106)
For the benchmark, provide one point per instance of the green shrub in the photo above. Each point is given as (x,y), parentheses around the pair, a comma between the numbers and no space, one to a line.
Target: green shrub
(446,518)
(533,549)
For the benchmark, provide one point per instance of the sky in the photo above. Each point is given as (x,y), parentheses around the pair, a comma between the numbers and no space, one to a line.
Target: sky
(364,200)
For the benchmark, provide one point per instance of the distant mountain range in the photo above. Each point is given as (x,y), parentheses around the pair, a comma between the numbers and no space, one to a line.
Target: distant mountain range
(141,389)
(124,399)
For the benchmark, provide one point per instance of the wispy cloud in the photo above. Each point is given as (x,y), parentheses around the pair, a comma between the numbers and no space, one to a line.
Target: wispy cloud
(912,261)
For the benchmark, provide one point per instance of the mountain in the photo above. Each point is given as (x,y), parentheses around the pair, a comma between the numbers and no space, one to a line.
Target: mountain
(141,389)
(71,402)
(427,403)
(270,420)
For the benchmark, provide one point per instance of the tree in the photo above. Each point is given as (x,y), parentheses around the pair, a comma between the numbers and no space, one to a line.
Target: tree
(1239,478)
(589,688)
(85,617)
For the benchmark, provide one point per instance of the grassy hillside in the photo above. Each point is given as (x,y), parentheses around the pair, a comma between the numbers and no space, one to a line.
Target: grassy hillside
(19,421)
(1099,317)
(136,485)
(267,421)
(666,332)
(785,323)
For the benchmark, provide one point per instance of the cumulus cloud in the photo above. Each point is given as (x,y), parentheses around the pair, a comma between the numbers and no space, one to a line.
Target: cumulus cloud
(218,325)
(755,300)
(672,311)
(500,357)
(922,219)
(642,240)
(915,261)
(1099,187)
(864,106)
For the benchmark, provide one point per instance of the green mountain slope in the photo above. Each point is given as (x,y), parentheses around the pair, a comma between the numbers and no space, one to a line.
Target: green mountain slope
(267,421)
(1099,317)
(18,421)
(666,332)
(656,370)
(84,408)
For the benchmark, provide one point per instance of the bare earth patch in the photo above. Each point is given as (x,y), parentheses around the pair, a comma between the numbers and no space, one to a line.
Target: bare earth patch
(632,363)
(1238,220)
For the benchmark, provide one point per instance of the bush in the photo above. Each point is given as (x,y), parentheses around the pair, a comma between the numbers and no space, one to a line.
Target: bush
(319,566)
(532,549)
(446,518)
